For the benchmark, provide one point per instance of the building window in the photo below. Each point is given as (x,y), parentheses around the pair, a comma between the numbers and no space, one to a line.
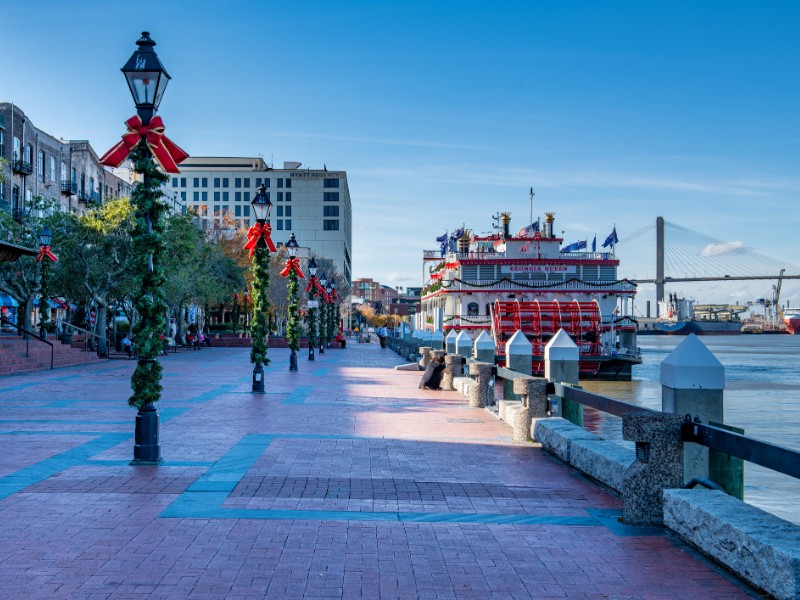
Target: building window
(288,196)
(288,224)
(330,196)
(2,143)
(205,181)
(280,182)
(216,196)
(280,224)
(216,181)
(216,210)
(266,182)
(196,197)
(331,183)
(246,182)
(196,182)
(83,184)
(204,210)
(330,211)
(183,181)
(287,211)
(74,175)
(52,168)
(237,182)
(288,182)
(174,182)
(237,197)
(280,196)
(224,182)
(40,165)
(17,148)
(330,224)
(246,210)
(237,210)
(225,196)
(224,211)
(280,211)
(258,182)
(183,196)
(204,196)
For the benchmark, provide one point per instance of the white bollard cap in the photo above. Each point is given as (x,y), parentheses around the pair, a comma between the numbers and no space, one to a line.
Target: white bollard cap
(692,366)
(484,341)
(452,336)
(518,344)
(437,336)
(561,347)
(464,339)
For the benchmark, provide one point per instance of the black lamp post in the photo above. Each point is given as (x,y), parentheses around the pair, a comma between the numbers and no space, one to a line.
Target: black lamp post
(323,314)
(45,235)
(334,309)
(291,327)
(260,252)
(312,321)
(329,310)
(147,79)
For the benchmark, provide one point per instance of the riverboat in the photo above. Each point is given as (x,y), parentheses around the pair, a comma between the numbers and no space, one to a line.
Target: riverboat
(501,283)
(791,316)
(680,316)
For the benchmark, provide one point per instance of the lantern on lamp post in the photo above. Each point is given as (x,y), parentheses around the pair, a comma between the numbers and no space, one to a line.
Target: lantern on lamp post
(292,271)
(260,243)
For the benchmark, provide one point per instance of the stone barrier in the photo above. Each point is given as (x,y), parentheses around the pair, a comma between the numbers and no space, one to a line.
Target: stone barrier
(479,392)
(454,367)
(533,391)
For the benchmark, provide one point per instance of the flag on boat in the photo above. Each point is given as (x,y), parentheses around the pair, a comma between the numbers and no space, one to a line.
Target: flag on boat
(575,246)
(529,230)
(442,238)
(612,238)
(594,243)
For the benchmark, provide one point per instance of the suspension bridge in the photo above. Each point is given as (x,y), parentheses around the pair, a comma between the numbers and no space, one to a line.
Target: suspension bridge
(681,251)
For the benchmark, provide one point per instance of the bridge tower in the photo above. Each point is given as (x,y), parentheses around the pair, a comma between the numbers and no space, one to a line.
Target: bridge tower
(659,261)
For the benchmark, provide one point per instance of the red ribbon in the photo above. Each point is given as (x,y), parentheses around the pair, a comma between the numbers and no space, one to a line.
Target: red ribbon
(167,154)
(313,282)
(292,264)
(45,251)
(255,233)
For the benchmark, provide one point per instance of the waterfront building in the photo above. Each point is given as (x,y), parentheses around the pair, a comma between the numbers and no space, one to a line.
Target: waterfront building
(314,204)
(386,299)
(40,164)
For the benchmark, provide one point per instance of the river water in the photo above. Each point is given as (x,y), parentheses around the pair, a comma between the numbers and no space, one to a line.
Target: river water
(762,395)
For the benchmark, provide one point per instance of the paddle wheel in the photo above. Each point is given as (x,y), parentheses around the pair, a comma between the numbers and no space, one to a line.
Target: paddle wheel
(541,320)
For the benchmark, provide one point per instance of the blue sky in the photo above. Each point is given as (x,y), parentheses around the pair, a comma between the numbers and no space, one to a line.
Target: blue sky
(444,113)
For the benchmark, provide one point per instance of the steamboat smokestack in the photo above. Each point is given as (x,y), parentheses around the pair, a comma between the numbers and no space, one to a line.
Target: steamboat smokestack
(549,219)
(505,219)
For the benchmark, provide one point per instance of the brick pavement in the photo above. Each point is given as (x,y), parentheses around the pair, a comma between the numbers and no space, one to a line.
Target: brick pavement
(343,481)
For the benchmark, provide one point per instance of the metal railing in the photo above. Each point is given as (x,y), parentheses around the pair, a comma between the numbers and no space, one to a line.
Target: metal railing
(89,335)
(69,187)
(26,335)
(22,166)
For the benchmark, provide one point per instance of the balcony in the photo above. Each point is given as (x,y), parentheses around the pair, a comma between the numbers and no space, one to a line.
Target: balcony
(22,167)
(83,196)
(95,197)
(69,188)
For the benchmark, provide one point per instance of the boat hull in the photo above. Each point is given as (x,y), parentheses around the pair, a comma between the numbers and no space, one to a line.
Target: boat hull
(793,324)
(698,327)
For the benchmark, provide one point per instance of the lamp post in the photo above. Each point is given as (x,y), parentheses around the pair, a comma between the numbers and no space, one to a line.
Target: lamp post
(329,310)
(143,142)
(292,271)
(336,317)
(45,235)
(260,243)
(323,313)
(311,288)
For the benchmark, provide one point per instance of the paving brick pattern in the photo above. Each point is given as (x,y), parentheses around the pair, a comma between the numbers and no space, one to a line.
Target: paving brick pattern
(342,481)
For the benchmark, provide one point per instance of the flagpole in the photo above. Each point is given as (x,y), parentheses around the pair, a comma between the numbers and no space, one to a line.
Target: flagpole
(532,195)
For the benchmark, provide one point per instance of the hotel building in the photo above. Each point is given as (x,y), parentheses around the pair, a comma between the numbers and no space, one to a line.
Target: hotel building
(314,204)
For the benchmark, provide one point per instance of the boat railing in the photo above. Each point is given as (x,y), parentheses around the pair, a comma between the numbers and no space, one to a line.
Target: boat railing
(544,285)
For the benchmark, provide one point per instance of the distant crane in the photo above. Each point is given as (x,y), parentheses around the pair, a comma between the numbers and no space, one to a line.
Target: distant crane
(777,313)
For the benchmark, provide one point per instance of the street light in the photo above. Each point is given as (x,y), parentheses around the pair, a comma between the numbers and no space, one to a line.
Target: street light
(335,316)
(292,271)
(329,310)
(323,313)
(311,288)
(149,149)
(45,235)
(260,243)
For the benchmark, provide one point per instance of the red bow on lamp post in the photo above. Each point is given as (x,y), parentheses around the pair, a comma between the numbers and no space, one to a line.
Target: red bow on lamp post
(255,233)
(166,152)
(314,283)
(45,251)
(292,264)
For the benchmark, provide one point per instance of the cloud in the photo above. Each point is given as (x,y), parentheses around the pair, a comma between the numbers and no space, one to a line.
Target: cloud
(723,248)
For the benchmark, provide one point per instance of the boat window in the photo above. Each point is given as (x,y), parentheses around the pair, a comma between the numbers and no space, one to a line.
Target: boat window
(472,309)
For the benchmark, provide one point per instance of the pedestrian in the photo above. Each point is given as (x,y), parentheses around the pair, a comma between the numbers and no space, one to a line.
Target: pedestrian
(127,345)
(173,328)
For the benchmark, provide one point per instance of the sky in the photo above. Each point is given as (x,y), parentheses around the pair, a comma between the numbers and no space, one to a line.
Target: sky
(443,113)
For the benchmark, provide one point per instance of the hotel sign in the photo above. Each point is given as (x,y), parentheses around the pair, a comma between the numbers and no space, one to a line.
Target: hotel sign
(538,269)
(307,174)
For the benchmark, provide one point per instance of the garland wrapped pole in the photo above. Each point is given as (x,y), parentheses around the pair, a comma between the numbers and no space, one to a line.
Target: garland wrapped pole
(44,306)
(323,312)
(260,243)
(143,142)
(292,271)
(311,289)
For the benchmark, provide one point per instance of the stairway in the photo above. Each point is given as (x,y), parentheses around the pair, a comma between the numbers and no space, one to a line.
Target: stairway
(13,359)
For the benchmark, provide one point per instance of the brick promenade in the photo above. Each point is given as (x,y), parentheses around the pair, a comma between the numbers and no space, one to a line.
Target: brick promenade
(343,481)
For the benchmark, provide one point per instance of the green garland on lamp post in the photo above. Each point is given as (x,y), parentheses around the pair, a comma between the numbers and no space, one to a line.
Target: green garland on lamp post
(330,317)
(311,288)
(292,271)
(260,243)
(323,312)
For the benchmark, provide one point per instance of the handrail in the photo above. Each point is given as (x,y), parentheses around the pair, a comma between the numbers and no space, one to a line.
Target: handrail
(86,331)
(31,334)
(780,459)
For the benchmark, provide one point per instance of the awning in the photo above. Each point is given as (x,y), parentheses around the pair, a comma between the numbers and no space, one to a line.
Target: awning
(50,304)
(11,252)
(8,301)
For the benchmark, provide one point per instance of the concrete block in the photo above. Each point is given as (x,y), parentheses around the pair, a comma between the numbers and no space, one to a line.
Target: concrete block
(480,390)
(504,405)
(602,459)
(762,548)
(556,435)
(463,385)
(409,367)
(454,367)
